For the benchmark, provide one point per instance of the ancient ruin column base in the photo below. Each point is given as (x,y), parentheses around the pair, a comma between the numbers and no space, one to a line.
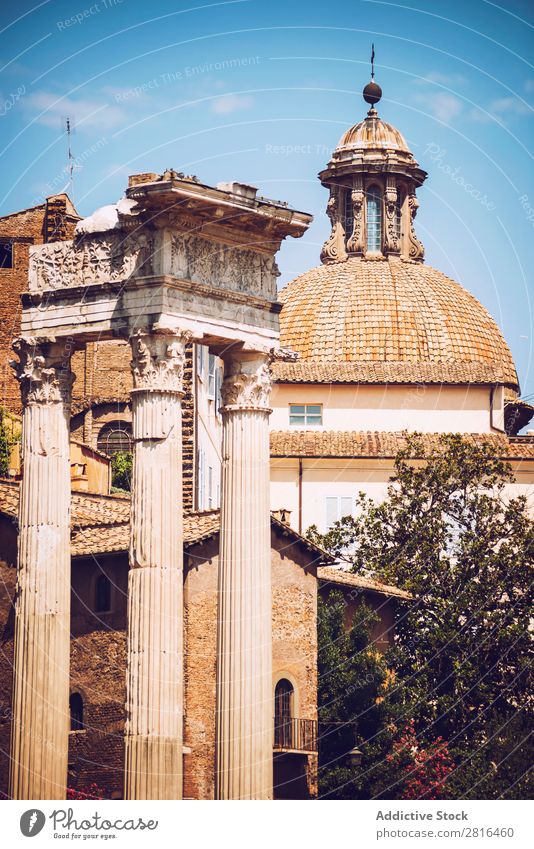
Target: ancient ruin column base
(153,767)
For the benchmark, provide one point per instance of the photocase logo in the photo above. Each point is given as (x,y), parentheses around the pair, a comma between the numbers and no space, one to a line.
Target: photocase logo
(32,822)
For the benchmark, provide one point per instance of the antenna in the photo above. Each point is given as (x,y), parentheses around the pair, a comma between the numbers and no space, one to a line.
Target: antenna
(71,164)
(372,61)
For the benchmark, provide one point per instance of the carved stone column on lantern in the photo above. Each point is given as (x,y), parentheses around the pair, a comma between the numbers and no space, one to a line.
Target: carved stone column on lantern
(39,736)
(154,701)
(334,248)
(355,242)
(392,234)
(244,745)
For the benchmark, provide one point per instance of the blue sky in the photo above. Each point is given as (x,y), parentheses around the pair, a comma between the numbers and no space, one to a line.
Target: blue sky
(261,92)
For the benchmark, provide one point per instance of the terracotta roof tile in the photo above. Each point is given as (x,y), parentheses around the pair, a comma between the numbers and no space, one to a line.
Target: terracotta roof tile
(100,523)
(388,321)
(330,443)
(336,575)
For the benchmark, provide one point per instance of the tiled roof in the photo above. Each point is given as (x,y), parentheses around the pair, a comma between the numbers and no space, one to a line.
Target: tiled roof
(335,575)
(100,523)
(389,320)
(354,443)
(109,539)
(372,134)
(311,371)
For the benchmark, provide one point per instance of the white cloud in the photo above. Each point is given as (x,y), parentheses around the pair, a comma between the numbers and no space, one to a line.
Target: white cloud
(442,79)
(445,107)
(499,110)
(48,108)
(229,103)
(509,106)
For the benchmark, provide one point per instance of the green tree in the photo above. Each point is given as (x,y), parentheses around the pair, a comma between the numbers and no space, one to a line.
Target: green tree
(8,438)
(448,533)
(353,677)
(121,470)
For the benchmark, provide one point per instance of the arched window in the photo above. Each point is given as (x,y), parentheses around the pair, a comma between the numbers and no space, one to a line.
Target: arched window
(283,709)
(76,712)
(115,437)
(374,219)
(102,594)
(348,215)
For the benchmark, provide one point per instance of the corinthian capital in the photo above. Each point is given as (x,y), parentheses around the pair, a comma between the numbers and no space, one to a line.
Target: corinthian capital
(43,370)
(247,381)
(158,360)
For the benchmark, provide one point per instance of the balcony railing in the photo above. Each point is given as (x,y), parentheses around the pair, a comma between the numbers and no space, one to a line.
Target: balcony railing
(295,734)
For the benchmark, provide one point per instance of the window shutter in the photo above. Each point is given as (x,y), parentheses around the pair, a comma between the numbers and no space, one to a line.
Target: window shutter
(212,369)
(218,384)
(345,507)
(331,511)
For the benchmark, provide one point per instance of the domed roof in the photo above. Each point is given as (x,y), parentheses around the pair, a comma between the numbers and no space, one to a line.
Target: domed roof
(389,320)
(372,133)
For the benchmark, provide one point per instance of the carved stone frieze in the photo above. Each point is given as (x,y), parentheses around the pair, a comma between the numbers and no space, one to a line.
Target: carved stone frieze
(158,360)
(416,250)
(91,258)
(43,370)
(214,264)
(334,247)
(247,382)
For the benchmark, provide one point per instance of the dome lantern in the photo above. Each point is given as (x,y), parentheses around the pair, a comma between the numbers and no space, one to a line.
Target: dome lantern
(372,177)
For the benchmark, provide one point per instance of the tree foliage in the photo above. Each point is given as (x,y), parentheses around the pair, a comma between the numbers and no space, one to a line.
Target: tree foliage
(353,678)
(9,436)
(450,533)
(121,470)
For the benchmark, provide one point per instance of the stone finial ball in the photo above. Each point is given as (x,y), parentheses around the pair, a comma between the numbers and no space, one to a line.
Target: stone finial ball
(372,93)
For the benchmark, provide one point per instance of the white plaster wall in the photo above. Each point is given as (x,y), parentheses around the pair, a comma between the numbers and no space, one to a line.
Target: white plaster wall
(429,409)
(346,478)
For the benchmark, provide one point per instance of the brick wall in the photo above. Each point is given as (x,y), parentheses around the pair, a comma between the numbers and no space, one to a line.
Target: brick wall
(294,653)
(98,661)
(53,220)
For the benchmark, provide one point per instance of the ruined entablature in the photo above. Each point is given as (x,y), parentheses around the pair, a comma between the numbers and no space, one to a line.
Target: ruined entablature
(109,257)
(214,264)
(117,256)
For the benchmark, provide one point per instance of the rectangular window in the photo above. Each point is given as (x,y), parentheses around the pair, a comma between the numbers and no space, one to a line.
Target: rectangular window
(6,254)
(336,508)
(305,414)
(210,487)
(212,370)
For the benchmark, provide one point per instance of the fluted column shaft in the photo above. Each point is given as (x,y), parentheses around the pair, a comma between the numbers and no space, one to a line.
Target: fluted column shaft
(154,701)
(40,726)
(244,729)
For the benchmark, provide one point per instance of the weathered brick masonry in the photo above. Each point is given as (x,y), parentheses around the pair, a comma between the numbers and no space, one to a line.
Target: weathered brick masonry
(52,220)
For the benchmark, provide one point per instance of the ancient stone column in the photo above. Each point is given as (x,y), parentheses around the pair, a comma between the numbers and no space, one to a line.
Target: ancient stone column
(40,726)
(244,728)
(154,700)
